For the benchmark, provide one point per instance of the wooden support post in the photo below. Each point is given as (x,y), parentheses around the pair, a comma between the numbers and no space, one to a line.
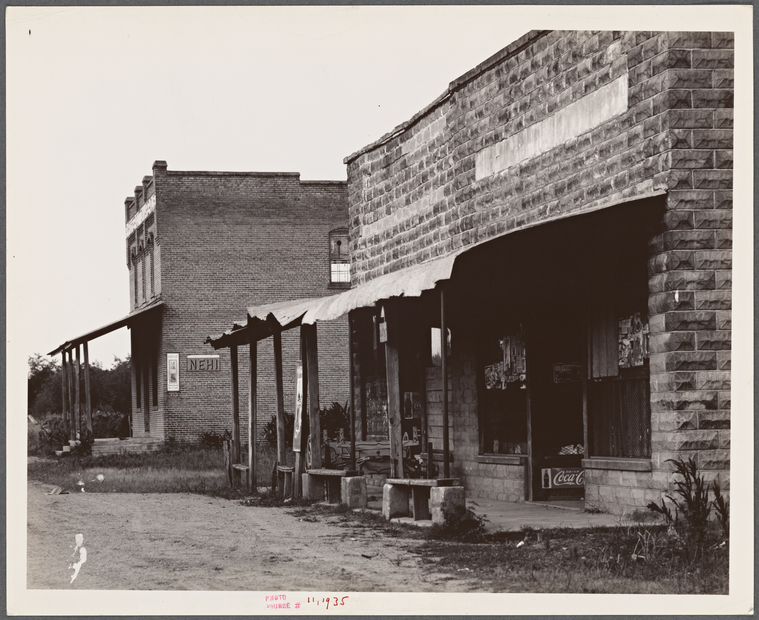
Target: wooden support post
(528,371)
(252,416)
(352,393)
(235,407)
(312,369)
(281,439)
(87,393)
(77,399)
(300,452)
(65,392)
(585,373)
(394,415)
(145,365)
(444,370)
(72,412)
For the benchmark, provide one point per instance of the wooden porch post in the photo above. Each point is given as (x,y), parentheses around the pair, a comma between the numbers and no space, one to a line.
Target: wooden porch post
(392,366)
(312,368)
(281,443)
(444,370)
(87,393)
(77,375)
(145,351)
(300,451)
(72,419)
(252,415)
(352,392)
(235,407)
(65,392)
(75,410)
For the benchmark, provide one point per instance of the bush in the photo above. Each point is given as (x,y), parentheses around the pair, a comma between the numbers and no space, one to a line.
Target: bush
(53,434)
(270,431)
(213,439)
(108,423)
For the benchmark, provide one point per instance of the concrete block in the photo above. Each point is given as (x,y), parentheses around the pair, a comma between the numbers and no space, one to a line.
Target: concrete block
(445,499)
(313,488)
(394,501)
(353,491)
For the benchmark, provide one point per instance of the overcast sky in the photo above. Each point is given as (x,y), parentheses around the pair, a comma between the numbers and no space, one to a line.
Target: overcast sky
(95,95)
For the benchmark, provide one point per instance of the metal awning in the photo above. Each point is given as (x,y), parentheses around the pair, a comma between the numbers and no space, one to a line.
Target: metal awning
(409,282)
(106,329)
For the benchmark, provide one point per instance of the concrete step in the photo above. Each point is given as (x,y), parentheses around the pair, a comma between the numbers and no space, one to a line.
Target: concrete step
(130,445)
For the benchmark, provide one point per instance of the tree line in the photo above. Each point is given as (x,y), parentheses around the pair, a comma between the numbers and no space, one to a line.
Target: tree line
(110,388)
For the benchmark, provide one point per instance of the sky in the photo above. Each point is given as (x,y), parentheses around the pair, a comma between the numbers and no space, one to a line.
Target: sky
(95,95)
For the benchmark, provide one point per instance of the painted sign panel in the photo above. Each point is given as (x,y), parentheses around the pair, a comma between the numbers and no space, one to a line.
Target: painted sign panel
(298,407)
(563,477)
(172,372)
(202,363)
(567,373)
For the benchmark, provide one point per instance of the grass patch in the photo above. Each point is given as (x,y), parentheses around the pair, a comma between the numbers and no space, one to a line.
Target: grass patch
(645,558)
(171,470)
(641,559)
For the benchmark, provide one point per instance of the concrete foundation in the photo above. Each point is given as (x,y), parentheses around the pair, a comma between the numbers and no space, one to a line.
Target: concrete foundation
(353,491)
(313,488)
(445,499)
(394,501)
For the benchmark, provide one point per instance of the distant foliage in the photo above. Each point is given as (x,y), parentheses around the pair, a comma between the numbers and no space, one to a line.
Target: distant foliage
(110,389)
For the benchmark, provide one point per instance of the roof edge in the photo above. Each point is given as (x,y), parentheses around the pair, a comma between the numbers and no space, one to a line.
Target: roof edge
(510,50)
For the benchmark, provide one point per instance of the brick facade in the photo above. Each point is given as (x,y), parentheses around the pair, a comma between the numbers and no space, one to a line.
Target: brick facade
(562,122)
(223,241)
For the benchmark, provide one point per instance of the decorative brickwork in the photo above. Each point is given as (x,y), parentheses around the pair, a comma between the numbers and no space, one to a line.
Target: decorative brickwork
(222,242)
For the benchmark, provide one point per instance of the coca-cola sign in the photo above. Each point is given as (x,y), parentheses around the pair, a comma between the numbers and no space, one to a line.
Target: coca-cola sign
(564,477)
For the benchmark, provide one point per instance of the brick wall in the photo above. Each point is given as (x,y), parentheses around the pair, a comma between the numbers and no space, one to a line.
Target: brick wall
(227,241)
(562,121)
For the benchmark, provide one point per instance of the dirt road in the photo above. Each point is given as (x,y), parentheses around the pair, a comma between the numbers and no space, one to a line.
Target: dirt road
(194,542)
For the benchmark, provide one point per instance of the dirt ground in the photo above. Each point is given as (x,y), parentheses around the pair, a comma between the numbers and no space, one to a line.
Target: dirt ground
(195,542)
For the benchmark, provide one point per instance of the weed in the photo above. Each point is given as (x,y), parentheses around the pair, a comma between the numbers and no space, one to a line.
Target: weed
(694,506)
(461,524)
(721,506)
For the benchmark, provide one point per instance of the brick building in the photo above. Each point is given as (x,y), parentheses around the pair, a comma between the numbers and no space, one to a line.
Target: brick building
(572,198)
(200,247)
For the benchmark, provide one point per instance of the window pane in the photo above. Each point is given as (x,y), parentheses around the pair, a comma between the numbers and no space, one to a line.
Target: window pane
(341,272)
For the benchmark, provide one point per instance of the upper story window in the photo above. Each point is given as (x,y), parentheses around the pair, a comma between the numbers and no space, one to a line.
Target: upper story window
(339,258)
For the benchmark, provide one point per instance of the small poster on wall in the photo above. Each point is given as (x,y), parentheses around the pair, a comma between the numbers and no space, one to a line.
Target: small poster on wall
(510,367)
(633,341)
(172,372)
(298,407)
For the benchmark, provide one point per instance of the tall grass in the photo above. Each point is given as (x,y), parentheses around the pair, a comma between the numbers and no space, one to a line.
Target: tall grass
(173,470)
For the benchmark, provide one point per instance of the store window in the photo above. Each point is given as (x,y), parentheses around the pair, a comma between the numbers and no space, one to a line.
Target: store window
(339,258)
(619,411)
(504,400)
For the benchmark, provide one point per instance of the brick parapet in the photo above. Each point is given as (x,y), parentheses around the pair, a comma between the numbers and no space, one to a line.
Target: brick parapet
(228,241)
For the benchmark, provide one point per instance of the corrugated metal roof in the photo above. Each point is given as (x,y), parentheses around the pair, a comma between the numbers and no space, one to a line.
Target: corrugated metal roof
(106,329)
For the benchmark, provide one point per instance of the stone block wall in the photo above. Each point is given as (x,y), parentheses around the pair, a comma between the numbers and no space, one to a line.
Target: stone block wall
(561,121)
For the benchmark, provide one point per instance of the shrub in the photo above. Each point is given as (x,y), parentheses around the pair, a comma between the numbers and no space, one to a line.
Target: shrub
(270,430)
(53,434)
(107,423)
(334,419)
(213,439)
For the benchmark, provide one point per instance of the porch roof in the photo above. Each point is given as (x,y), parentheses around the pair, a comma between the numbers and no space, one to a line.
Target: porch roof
(263,320)
(108,328)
